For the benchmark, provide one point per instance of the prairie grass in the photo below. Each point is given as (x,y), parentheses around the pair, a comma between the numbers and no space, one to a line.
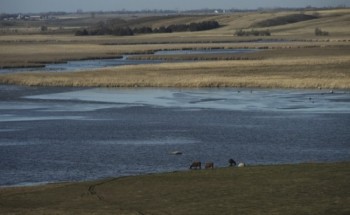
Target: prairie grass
(279,189)
(310,72)
(295,57)
(38,54)
(35,50)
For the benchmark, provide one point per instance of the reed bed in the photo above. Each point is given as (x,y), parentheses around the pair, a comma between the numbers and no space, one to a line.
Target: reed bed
(327,72)
(32,54)
(36,50)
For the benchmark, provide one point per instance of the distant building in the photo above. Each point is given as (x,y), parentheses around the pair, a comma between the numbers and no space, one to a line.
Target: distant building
(34,18)
(220,11)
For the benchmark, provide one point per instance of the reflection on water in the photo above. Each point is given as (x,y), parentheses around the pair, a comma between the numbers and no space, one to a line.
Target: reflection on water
(65,134)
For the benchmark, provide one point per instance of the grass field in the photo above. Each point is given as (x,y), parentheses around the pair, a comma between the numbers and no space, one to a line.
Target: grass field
(34,49)
(320,189)
(293,56)
(318,71)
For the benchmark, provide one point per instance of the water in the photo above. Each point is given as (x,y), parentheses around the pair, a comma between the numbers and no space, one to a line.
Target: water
(80,65)
(72,134)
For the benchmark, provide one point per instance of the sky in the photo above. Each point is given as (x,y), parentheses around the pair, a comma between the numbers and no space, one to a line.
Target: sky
(34,6)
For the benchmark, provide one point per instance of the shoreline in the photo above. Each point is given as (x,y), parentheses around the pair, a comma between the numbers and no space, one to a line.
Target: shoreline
(98,180)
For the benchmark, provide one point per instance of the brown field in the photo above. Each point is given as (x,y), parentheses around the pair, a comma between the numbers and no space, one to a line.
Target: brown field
(296,58)
(312,189)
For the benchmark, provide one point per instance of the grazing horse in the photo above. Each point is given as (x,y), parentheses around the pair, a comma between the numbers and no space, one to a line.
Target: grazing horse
(232,162)
(196,165)
(209,165)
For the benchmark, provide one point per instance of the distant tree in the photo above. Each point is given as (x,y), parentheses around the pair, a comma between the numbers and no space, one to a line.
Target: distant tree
(178,28)
(83,32)
(283,20)
(201,26)
(120,28)
(43,28)
(125,31)
(193,27)
(319,32)
(162,29)
(252,32)
(239,33)
(143,30)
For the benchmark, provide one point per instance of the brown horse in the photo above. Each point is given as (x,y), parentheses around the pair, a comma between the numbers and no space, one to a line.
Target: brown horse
(209,165)
(196,165)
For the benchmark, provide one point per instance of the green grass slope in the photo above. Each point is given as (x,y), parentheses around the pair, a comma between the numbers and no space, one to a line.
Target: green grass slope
(321,189)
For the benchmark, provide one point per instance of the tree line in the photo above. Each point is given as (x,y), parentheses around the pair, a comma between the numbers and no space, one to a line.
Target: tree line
(252,32)
(109,29)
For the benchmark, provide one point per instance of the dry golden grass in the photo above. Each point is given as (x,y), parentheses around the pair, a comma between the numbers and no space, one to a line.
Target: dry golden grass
(18,55)
(297,72)
(31,53)
(299,59)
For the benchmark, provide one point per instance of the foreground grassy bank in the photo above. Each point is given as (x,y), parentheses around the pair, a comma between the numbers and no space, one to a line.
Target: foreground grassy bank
(309,71)
(282,189)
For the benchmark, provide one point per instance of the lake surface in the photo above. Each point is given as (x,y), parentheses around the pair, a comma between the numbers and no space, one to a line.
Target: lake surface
(77,134)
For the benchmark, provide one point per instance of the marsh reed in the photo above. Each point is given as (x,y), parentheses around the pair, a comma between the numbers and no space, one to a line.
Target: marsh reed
(327,72)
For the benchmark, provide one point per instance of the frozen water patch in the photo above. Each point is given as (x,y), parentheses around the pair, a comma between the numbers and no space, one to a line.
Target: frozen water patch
(15,118)
(225,99)
(10,129)
(55,107)
(164,141)
(79,107)
(20,106)
(116,96)
(19,143)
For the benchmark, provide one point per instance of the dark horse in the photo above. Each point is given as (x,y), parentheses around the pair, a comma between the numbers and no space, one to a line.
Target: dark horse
(232,162)
(196,165)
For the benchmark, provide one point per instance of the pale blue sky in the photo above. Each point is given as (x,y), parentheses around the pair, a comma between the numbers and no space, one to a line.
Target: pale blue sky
(16,6)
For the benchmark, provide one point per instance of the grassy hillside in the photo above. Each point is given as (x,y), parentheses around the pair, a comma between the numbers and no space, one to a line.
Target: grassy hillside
(283,20)
(320,189)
